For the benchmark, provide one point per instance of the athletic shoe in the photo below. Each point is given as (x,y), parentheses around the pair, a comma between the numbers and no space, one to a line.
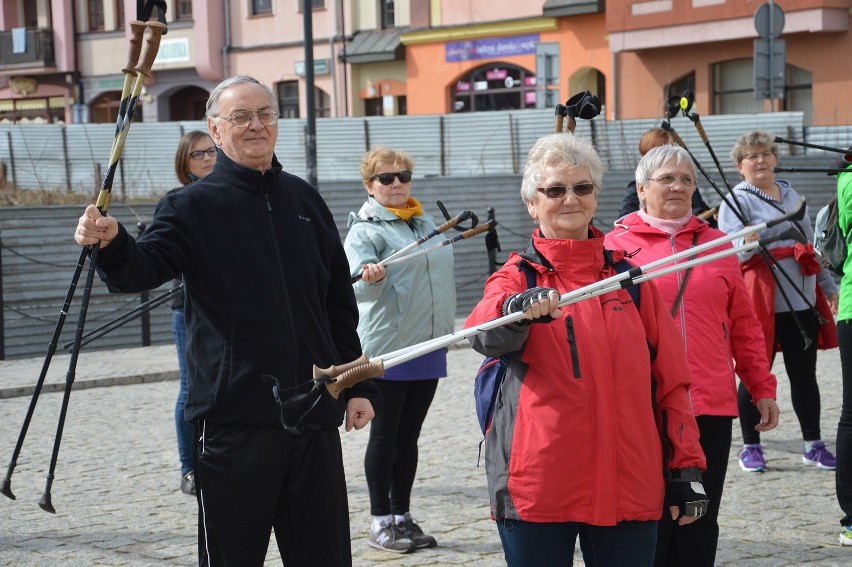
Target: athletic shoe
(187,483)
(820,457)
(751,459)
(391,538)
(413,532)
(846,535)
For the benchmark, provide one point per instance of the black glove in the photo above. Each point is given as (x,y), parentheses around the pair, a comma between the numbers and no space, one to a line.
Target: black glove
(524,300)
(686,492)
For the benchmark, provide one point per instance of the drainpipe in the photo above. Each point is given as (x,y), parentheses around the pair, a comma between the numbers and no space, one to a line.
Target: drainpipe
(226,71)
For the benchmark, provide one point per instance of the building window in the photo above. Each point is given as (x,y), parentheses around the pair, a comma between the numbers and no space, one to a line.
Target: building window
(96,15)
(387,8)
(315,4)
(119,14)
(261,7)
(288,98)
(733,89)
(184,10)
(322,103)
(498,86)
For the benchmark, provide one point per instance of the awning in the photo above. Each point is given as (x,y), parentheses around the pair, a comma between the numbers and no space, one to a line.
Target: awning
(372,46)
(554,8)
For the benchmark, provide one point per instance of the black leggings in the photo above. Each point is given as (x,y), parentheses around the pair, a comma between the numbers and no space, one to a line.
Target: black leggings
(695,544)
(390,462)
(801,370)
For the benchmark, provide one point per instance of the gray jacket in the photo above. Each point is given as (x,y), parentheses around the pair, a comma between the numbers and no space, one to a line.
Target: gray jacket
(756,211)
(416,301)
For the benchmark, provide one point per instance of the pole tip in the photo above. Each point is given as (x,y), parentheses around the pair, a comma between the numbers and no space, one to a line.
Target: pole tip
(45,503)
(6,489)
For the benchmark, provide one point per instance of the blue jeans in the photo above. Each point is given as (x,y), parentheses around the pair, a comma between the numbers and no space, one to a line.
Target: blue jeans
(183,428)
(551,544)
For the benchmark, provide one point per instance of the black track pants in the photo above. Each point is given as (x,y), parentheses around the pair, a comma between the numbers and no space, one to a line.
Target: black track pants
(251,480)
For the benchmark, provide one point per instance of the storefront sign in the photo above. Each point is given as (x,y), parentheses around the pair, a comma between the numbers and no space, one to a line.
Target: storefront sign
(173,51)
(320,67)
(490,48)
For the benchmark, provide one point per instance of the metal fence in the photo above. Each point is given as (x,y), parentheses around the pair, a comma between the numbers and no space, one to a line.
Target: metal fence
(73,157)
(38,254)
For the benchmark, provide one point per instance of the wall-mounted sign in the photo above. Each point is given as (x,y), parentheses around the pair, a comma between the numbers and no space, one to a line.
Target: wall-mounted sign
(490,48)
(320,67)
(173,51)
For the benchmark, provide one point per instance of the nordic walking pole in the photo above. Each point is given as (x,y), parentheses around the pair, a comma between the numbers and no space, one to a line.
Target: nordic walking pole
(126,317)
(337,378)
(461,217)
(149,53)
(137,30)
(448,242)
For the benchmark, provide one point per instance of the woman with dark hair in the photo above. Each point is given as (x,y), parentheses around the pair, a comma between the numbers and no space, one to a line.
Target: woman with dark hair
(194,159)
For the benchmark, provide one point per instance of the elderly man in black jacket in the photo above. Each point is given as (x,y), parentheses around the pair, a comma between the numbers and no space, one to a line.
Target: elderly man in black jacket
(267,293)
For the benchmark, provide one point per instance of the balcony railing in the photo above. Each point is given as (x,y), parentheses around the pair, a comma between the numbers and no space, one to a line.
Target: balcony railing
(31,48)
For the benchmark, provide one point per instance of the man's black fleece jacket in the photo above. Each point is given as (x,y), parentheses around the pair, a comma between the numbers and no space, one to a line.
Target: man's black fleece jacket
(267,290)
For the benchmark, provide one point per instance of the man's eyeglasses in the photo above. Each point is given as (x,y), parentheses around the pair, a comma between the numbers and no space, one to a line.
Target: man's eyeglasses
(558,191)
(755,156)
(199,154)
(669,180)
(387,178)
(242,118)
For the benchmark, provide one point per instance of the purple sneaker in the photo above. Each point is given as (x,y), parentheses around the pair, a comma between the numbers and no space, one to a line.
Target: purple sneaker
(820,457)
(751,459)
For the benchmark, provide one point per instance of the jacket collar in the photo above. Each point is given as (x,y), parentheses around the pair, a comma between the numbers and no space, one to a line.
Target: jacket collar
(574,255)
(243,177)
(634,223)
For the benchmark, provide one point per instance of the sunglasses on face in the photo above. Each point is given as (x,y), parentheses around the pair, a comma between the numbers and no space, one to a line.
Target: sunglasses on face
(199,154)
(387,178)
(558,191)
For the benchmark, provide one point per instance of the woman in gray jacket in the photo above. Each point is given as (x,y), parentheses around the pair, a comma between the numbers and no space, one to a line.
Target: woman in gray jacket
(408,303)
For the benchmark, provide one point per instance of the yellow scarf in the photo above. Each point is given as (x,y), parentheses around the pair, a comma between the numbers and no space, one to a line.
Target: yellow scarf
(413,208)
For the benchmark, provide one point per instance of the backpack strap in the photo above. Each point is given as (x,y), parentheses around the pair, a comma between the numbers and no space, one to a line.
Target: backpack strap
(529,272)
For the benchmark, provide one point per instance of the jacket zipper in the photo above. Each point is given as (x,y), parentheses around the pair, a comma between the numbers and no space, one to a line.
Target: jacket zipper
(572,345)
(285,293)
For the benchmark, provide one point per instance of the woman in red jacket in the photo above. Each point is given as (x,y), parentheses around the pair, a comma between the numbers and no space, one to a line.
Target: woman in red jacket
(718,326)
(594,430)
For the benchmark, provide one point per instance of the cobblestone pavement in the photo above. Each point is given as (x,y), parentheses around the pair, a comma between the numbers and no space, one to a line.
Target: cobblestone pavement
(118,502)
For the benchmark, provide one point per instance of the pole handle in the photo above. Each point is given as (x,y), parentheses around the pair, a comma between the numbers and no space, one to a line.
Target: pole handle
(137,33)
(339,377)
(152,46)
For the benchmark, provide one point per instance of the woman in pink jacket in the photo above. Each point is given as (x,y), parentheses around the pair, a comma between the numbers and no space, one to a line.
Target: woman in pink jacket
(594,430)
(717,324)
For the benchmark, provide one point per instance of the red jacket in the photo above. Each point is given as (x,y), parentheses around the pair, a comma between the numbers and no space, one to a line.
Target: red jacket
(574,437)
(716,317)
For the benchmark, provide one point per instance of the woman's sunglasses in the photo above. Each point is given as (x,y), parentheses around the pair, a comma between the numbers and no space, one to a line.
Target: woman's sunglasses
(558,191)
(387,178)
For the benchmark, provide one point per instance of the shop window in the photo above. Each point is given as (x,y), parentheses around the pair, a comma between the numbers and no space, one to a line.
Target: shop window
(733,89)
(288,98)
(498,86)
(104,109)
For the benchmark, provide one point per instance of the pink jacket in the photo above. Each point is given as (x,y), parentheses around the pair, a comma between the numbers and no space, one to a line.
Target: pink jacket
(576,435)
(716,317)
